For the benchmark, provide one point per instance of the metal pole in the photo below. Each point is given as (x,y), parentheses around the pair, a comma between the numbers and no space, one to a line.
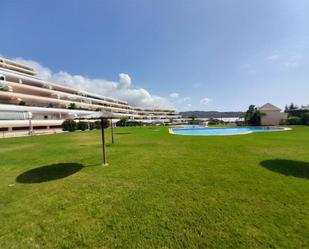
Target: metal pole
(103,144)
(30,123)
(112,130)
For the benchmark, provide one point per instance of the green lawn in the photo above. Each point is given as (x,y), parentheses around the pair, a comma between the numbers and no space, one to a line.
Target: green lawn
(160,190)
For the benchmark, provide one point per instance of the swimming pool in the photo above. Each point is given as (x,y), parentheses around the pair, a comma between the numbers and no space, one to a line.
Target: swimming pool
(223,131)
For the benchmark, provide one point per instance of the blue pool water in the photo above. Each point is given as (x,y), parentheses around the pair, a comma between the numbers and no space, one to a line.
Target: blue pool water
(223,131)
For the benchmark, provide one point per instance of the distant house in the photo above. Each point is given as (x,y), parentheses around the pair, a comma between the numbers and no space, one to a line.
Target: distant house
(272,115)
(298,112)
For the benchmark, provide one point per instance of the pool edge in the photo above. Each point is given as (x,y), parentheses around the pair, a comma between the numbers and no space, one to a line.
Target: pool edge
(245,133)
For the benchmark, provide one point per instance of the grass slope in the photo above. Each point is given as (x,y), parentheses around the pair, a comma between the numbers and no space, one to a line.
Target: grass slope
(160,190)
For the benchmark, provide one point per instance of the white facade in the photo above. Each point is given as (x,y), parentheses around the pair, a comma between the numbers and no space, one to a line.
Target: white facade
(272,115)
(51,103)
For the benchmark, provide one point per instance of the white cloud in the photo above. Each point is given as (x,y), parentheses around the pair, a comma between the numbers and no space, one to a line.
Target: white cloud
(285,60)
(174,95)
(205,101)
(187,107)
(273,57)
(120,90)
(179,101)
(124,81)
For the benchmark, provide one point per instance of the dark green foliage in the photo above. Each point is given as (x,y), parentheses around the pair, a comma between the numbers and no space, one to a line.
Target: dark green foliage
(69,125)
(291,107)
(193,120)
(294,121)
(82,125)
(240,123)
(253,116)
(192,117)
(295,111)
(122,122)
(214,121)
(128,123)
(92,126)
(97,124)
(305,119)
(72,106)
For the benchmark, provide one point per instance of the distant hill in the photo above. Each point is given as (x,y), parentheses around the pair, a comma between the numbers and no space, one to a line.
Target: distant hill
(211,114)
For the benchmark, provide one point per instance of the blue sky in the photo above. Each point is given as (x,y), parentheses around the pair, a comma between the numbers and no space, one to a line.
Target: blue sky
(192,55)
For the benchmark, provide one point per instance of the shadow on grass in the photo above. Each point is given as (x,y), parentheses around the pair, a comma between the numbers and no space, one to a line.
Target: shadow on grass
(288,167)
(122,133)
(49,173)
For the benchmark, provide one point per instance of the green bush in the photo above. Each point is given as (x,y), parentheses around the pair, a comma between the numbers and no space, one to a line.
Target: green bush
(91,126)
(97,124)
(82,125)
(294,121)
(214,121)
(240,123)
(72,106)
(305,119)
(69,125)
(128,123)
(253,116)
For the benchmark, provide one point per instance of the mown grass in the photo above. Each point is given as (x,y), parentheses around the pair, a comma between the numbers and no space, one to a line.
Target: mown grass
(160,190)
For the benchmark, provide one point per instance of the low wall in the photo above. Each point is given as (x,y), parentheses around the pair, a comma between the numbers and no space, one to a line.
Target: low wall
(23,133)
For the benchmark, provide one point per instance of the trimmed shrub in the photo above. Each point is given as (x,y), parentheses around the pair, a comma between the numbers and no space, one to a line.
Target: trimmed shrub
(214,121)
(82,125)
(305,119)
(69,125)
(240,123)
(91,126)
(128,123)
(294,121)
(97,124)
(72,106)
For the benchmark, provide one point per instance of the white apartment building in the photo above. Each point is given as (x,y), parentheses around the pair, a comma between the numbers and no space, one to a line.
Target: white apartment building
(26,100)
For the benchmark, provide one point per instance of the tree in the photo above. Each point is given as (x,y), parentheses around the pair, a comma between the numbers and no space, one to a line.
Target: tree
(97,124)
(69,125)
(81,125)
(123,121)
(192,117)
(253,116)
(193,120)
(292,107)
(305,119)
(72,106)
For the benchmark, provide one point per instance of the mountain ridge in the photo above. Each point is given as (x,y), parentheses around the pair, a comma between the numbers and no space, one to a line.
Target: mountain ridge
(211,114)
